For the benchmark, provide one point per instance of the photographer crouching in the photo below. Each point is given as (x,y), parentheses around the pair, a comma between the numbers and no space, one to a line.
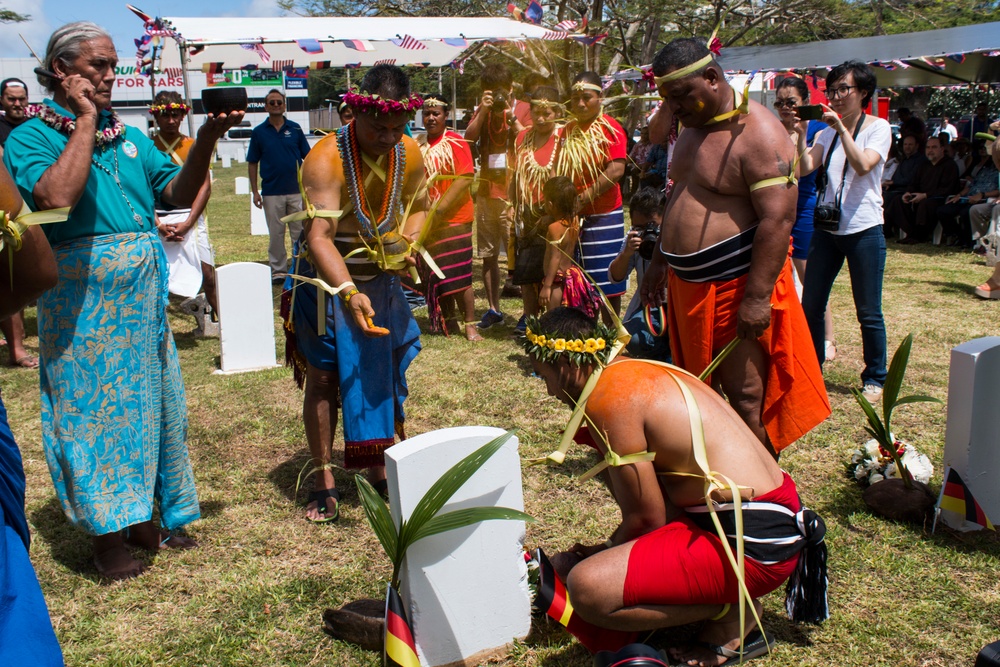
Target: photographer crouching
(647,326)
(848,218)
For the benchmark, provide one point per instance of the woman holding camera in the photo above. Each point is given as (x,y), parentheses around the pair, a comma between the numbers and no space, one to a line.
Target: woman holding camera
(848,217)
(790,94)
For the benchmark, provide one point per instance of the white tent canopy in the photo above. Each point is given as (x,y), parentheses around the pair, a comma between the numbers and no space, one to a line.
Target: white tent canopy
(977,43)
(230,40)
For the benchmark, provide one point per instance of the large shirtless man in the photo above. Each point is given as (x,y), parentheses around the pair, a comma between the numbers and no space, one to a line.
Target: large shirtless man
(724,250)
(361,353)
(664,565)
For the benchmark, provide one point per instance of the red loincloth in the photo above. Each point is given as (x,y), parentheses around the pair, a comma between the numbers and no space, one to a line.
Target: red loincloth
(702,319)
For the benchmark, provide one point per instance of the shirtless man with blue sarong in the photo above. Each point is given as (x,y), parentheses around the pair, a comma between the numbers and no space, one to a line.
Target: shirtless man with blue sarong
(114,417)
(365,201)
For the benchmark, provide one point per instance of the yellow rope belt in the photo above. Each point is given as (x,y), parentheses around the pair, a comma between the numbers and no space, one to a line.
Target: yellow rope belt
(12,229)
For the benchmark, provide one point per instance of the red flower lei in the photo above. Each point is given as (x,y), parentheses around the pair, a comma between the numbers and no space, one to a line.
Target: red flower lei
(363,102)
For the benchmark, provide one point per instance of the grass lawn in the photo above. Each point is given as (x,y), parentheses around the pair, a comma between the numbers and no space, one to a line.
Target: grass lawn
(254,592)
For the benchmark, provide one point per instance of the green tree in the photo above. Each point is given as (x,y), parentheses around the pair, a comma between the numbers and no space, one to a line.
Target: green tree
(8,16)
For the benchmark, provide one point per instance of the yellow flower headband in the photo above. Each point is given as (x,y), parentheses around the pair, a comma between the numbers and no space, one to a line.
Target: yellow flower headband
(159,108)
(581,350)
(434,102)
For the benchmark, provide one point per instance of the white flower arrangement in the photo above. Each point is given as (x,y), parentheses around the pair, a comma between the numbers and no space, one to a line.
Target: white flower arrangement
(871,463)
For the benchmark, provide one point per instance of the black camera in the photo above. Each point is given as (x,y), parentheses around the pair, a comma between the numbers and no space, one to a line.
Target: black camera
(499,102)
(826,217)
(649,238)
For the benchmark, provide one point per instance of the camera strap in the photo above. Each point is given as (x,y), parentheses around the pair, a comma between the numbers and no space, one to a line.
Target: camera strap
(829,156)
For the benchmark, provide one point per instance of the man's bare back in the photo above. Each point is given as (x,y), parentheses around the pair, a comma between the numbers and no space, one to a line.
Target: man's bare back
(651,415)
(712,169)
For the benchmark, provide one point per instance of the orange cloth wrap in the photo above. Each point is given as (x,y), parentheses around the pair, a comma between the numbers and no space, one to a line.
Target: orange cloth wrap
(702,320)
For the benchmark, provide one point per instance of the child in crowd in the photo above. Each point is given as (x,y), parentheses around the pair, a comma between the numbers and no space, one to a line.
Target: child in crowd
(564,283)
(648,327)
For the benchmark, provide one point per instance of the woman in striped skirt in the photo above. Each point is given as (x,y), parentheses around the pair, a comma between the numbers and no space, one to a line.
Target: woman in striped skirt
(449,167)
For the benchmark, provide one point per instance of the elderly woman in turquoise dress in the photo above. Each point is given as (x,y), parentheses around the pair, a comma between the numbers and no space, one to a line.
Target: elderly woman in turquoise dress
(114,419)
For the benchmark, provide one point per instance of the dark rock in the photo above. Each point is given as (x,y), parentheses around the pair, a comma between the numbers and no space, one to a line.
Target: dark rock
(890,498)
(361,622)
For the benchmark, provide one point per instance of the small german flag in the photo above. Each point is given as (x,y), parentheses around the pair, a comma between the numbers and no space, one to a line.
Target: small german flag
(319,64)
(211,68)
(956,497)
(553,600)
(400,649)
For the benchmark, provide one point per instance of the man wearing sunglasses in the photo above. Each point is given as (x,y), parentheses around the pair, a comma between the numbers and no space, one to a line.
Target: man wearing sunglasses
(278,145)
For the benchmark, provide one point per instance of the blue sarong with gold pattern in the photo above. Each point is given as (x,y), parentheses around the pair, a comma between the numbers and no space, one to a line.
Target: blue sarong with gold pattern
(114,417)
(371,370)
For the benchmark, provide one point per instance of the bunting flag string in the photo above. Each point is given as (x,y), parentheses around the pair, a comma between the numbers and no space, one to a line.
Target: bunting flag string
(311,46)
(259,49)
(408,42)
(358,44)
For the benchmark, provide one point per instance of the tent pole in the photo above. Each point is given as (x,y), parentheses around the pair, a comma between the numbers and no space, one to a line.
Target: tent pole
(440,82)
(348,73)
(454,103)
(187,87)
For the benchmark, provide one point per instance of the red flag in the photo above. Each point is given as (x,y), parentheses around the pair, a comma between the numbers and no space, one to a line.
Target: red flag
(400,649)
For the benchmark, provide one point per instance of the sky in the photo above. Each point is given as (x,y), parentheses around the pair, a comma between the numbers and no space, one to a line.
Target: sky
(124,26)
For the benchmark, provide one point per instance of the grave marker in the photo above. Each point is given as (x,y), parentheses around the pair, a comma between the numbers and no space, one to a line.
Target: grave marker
(242,185)
(972,438)
(466,590)
(258,222)
(246,317)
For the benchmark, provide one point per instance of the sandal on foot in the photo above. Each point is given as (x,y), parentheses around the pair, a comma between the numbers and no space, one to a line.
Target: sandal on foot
(321,497)
(754,646)
(27,361)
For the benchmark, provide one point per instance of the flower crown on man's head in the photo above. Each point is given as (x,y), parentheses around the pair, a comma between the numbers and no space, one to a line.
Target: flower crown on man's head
(547,347)
(159,108)
(363,102)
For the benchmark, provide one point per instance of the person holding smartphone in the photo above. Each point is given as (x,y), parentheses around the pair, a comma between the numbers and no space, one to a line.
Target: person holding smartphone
(853,150)
(791,97)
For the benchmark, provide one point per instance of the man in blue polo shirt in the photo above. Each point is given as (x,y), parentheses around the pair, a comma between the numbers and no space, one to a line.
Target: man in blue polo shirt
(279,145)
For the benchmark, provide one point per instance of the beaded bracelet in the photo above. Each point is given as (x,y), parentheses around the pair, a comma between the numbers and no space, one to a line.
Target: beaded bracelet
(347,296)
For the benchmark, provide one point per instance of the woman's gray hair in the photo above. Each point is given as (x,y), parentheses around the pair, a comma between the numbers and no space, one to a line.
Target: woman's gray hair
(64,46)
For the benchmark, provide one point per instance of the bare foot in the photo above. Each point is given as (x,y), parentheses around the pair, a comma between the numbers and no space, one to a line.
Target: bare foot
(113,560)
(471,333)
(719,639)
(147,536)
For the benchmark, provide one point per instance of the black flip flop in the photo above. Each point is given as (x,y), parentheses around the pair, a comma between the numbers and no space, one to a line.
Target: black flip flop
(320,497)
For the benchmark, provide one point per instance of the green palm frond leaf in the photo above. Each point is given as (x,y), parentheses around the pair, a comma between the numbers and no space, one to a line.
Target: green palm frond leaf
(917,398)
(379,518)
(444,488)
(877,428)
(466,517)
(894,378)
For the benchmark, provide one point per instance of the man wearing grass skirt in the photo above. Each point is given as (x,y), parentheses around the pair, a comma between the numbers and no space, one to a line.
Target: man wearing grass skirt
(362,188)
(670,442)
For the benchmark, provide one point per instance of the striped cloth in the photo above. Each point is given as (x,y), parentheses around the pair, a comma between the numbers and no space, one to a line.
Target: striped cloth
(601,238)
(720,262)
(451,248)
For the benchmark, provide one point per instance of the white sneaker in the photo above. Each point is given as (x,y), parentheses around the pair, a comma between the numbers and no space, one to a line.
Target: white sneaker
(872,392)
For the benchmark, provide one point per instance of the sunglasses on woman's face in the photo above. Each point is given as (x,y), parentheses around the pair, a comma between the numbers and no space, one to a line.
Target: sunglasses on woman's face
(787,103)
(276,103)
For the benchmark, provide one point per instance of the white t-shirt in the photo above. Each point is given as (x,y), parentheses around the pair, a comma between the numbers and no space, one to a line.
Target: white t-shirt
(951,130)
(861,201)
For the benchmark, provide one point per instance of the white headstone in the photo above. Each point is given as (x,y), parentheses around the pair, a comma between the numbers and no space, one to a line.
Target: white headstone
(466,590)
(246,317)
(242,185)
(227,162)
(258,222)
(972,438)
